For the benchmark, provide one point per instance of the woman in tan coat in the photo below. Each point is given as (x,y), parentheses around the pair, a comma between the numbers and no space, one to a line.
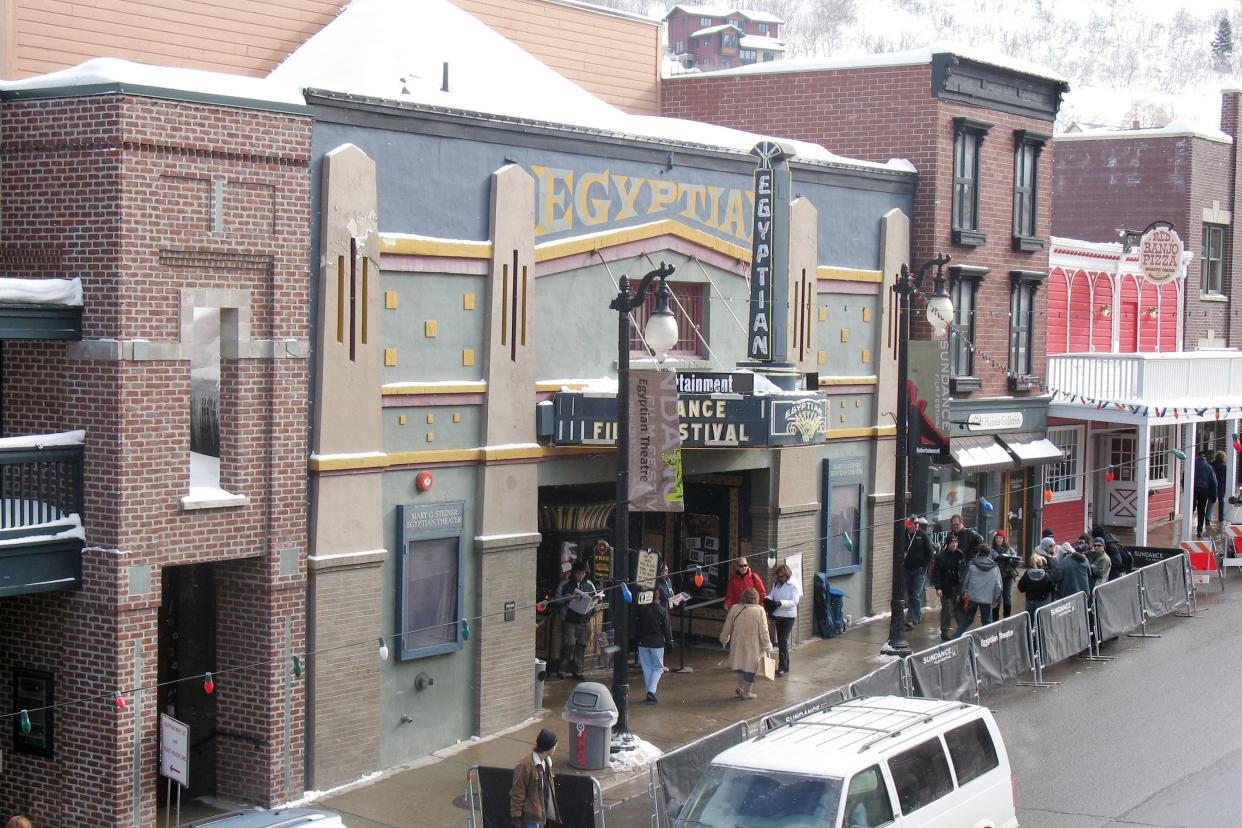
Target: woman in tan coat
(745,633)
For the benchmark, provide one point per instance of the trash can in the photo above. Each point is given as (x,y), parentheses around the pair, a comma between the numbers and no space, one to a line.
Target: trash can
(591,713)
(541,673)
(836,612)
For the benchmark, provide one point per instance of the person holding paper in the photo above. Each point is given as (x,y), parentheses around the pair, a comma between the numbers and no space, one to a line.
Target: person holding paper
(782,602)
(578,595)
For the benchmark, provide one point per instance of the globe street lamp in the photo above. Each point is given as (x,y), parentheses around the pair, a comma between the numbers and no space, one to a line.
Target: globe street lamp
(660,334)
(939,315)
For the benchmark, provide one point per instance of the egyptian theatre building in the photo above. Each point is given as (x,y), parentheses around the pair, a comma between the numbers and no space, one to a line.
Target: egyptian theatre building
(467,246)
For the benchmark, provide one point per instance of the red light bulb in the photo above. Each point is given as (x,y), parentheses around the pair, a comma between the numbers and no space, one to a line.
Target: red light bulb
(120,700)
(1047,495)
(209,684)
(1237,446)
(1109,477)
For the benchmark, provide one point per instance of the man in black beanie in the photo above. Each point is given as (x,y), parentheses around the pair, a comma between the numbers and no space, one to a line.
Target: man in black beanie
(532,799)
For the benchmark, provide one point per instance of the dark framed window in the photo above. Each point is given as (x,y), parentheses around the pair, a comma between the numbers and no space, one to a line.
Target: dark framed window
(964,284)
(1027,147)
(705,21)
(1023,286)
(968,137)
(689,307)
(430,579)
(1213,263)
(747,55)
(920,775)
(867,802)
(728,41)
(33,692)
(763,28)
(841,500)
(972,749)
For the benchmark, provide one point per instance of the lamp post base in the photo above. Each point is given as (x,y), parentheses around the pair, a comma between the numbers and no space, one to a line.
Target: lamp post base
(896,648)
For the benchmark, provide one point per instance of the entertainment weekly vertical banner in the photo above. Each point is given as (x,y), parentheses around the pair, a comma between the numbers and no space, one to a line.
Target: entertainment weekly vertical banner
(655,443)
(929,397)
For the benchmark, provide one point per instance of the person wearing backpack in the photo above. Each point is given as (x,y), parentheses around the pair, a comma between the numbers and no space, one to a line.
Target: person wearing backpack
(946,577)
(1119,556)
(1037,585)
(1205,492)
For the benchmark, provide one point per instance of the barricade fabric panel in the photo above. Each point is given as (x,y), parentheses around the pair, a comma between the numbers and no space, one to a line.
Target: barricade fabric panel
(797,711)
(574,794)
(943,672)
(680,770)
(1118,607)
(1164,586)
(885,681)
(494,787)
(1062,629)
(1003,650)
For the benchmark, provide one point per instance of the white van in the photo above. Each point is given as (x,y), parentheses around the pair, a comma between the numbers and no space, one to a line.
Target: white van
(863,763)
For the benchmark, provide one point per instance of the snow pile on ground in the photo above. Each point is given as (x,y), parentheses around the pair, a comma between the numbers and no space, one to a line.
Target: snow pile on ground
(637,754)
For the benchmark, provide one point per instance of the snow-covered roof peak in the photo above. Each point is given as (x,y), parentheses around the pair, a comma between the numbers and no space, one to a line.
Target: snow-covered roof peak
(725,11)
(1177,128)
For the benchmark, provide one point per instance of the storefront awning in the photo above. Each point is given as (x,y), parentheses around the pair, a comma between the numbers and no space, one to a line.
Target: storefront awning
(975,455)
(1031,449)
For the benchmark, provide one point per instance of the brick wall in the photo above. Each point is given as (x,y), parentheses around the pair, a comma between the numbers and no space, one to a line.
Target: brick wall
(118,191)
(506,648)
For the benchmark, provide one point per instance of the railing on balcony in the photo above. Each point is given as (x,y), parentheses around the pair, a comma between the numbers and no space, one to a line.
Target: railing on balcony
(41,539)
(1185,378)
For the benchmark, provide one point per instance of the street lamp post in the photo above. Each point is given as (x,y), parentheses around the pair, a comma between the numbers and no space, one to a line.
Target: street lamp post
(660,334)
(939,314)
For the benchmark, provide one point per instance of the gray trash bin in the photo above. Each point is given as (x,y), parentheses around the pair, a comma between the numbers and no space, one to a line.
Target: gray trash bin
(541,673)
(591,713)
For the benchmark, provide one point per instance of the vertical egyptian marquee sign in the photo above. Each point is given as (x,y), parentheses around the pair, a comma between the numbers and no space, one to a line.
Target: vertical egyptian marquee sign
(769,269)
(655,443)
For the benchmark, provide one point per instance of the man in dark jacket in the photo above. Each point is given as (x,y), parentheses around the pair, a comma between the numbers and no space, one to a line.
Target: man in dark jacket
(968,540)
(1074,571)
(981,588)
(1205,491)
(532,797)
(655,634)
(918,556)
(1221,469)
(577,595)
(946,577)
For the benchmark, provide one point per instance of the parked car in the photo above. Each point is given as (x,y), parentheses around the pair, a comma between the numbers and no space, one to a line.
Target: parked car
(276,818)
(863,763)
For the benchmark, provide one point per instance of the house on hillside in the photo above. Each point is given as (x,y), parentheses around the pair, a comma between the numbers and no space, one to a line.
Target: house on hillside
(718,37)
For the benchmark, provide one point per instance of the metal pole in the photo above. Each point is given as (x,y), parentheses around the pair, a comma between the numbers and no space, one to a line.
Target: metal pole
(896,628)
(621,520)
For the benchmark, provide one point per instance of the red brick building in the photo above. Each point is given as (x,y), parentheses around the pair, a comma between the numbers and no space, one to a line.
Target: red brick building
(719,37)
(978,130)
(186,219)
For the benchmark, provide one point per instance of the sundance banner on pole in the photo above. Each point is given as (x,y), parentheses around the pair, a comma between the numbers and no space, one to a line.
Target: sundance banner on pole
(655,443)
(1003,650)
(1062,629)
(1117,606)
(944,672)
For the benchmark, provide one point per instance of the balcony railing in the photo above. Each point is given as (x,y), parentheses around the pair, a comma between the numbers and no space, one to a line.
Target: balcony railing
(1185,378)
(41,500)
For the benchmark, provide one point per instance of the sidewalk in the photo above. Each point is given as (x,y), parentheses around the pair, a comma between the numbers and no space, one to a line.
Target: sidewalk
(692,704)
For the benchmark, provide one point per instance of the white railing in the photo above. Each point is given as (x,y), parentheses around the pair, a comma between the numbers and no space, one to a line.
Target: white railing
(1202,377)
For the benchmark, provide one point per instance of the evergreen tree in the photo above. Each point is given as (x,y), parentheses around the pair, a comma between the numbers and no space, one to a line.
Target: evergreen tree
(1222,46)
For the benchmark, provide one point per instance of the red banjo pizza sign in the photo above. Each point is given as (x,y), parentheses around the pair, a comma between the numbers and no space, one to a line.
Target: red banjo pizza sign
(1160,254)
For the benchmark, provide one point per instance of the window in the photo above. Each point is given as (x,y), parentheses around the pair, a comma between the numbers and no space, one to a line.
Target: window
(921,775)
(972,749)
(867,804)
(728,41)
(430,578)
(1158,470)
(763,28)
(1063,477)
(688,304)
(1213,264)
(205,400)
(967,143)
(1027,147)
(1022,328)
(964,288)
(705,21)
(841,514)
(763,798)
(680,47)
(747,56)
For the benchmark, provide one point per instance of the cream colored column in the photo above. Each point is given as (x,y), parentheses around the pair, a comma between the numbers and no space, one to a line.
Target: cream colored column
(347,532)
(803,284)
(795,516)
(508,493)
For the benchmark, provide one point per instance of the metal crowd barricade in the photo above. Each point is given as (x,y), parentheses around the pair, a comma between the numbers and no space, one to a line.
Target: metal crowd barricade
(1061,631)
(1118,607)
(1002,650)
(889,680)
(675,774)
(1203,562)
(945,671)
(796,711)
(1165,586)
(580,799)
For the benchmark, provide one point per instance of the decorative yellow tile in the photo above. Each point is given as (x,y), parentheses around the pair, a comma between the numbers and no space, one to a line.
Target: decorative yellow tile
(457,418)
(845,334)
(866,314)
(429,328)
(866,356)
(401,420)
(821,358)
(858,403)
(843,403)
(390,356)
(431,436)
(467,356)
(823,314)
(467,301)
(842,418)
(431,418)
(390,299)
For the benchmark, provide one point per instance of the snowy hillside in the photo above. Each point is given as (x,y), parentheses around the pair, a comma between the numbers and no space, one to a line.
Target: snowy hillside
(1149,61)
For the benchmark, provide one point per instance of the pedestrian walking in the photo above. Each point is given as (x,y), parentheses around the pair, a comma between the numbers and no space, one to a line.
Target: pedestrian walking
(1221,469)
(1006,558)
(578,595)
(745,633)
(782,601)
(1037,585)
(532,797)
(981,591)
(742,579)
(655,634)
(1101,564)
(917,559)
(946,575)
(1205,491)
(1073,573)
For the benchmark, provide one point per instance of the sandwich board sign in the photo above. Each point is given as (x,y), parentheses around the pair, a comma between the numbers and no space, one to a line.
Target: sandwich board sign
(175,750)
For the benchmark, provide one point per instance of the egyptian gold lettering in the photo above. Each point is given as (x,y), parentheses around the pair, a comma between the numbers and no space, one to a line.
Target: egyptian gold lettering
(554,210)
(628,190)
(592,211)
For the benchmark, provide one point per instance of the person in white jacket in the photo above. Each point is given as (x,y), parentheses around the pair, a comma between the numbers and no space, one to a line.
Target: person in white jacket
(782,603)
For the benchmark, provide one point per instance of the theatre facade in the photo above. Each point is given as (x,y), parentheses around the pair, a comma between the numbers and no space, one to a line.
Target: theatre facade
(465,397)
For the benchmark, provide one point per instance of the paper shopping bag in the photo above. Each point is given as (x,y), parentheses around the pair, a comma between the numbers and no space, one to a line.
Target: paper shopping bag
(767,668)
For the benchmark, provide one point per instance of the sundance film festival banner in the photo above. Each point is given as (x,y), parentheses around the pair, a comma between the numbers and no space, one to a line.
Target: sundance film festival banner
(654,443)
(1002,650)
(944,672)
(886,681)
(929,397)
(1062,628)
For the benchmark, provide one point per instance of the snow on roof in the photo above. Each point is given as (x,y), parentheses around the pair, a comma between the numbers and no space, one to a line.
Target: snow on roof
(1175,128)
(725,11)
(769,44)
(486,74)
(41,291)
(116,72)
(911,57)
(711,30)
